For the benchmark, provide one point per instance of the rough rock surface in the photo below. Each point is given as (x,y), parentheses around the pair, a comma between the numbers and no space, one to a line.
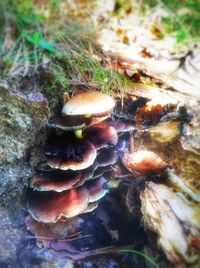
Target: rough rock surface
(22,132)
(22,121)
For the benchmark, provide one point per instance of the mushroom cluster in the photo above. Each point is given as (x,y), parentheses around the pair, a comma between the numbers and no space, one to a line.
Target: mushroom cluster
(89,150)
(71,181)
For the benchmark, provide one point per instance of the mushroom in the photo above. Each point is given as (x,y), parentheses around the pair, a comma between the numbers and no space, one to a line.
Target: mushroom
(101,136)
(67,123)
(83,109)
(119,125)
(97,189)
(51,206)
(142,162)
(55,180)
(87,174)
(74,154)
(95,105)
(107,157)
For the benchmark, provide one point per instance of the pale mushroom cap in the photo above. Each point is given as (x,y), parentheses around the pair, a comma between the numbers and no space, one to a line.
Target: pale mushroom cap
(88,103)
(144,162)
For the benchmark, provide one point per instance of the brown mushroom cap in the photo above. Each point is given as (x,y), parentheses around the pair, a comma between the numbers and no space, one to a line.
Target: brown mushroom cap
(67,123)
(101,136)
(107,156)
(97,189)
(88,103)
(76,122)
(55,180)
(49,207)
(144,162)
(91,207)
(87,174)
(119,125)
(75,156)
(101,171)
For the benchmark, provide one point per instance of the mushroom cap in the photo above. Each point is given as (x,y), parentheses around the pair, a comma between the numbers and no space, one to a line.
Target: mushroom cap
(76,155)
(144,162)
(87,174)
(51,206)
(88,103)
(97,189)
(55,180)
(100,171)
(107,156)
(119,125)
(76,122)
(67,123)
(101,136)
(91,207)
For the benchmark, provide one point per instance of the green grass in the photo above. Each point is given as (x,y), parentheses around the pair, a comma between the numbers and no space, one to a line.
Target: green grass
(33,34)
(183,21)
(141,254)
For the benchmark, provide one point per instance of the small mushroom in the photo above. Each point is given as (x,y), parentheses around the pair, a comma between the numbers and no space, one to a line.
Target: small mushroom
(144,162)
(68,123)
(100,171)
(83,109)
(76,155)
(87,174)
(56,180)
(119,125)
(51,206)
(89,104)
(107,157)
(101,136)
(97,189)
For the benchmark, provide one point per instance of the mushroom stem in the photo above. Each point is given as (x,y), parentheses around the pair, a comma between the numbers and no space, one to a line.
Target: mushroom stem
(131,143)
(78,134)
(65,97)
